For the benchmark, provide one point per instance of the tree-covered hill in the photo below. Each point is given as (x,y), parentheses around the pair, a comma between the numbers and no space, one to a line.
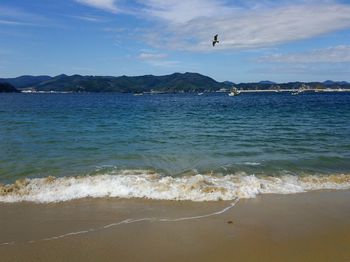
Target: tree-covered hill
(174,83)
(7,88)
(187,82)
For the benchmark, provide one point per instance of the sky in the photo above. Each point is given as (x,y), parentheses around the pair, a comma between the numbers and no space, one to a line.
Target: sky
(281,41)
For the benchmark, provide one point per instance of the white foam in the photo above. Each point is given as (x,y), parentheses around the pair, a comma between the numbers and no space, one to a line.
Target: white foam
(142,184)
(252,163)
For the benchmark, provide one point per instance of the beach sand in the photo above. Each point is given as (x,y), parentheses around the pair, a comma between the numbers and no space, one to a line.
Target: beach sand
(301,227)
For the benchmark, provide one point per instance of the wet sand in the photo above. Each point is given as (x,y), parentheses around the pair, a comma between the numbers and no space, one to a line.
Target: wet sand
(302,227)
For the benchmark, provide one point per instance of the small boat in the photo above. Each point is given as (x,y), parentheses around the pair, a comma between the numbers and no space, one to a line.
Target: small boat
(301,89)
(298,92)
(138,94)
(200,93)
(234,92)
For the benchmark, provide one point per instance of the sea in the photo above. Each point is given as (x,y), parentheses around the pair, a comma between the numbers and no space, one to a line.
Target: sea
(210,147)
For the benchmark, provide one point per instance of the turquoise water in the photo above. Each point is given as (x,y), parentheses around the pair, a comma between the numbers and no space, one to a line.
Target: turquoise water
(174,135)
(78,134)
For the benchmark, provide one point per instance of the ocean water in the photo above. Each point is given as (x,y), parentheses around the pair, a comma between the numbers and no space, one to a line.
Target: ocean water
(57,147)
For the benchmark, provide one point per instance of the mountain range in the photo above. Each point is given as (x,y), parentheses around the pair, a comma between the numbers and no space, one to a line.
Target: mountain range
(173,83)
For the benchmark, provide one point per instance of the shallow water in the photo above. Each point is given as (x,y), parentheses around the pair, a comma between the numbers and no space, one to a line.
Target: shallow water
(267,134)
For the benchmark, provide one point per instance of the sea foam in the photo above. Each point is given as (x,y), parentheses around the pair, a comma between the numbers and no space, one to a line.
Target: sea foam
(145,184)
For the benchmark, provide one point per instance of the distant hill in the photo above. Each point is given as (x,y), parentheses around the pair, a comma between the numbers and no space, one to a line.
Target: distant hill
(328,82)
(177,82)
(174,83)
(25,81)
(266,82)
(331,83)
(229,83)
(7,88)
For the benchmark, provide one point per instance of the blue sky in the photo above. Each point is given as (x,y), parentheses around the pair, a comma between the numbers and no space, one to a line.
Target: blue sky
(301,40)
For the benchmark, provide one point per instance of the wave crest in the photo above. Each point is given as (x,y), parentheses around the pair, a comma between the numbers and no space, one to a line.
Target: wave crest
(150,185)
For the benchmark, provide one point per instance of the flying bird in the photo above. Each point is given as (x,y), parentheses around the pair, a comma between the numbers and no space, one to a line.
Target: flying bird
(215,41)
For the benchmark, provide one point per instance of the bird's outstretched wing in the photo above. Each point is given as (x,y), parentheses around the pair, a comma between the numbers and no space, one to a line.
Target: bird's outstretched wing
(216,38)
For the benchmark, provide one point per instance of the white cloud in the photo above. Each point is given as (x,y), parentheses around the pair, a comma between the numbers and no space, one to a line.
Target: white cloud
(88,18)
(175,11)
(338,54)
(151,56)
(9,22)
(165,63)
(157,59)
(107,5)
(189,25)
(17,17)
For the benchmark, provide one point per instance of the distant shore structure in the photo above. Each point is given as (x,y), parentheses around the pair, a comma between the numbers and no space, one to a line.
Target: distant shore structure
(234,92)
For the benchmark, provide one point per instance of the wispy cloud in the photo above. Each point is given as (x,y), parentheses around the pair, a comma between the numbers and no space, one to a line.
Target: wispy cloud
(107,5)
(151,56)
(12,12)
(337,54)
(9,22)
(165,63)
(17,17)
(157,59)
(180,12)
(190,25)
(88,18)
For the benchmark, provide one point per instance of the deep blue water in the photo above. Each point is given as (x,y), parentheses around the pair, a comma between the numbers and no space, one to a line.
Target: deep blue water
(267,133)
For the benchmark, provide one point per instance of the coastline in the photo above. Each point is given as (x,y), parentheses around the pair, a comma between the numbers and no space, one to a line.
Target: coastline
(312,90)
(313,226)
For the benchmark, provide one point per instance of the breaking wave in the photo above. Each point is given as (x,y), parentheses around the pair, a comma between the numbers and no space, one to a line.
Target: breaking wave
(150,185)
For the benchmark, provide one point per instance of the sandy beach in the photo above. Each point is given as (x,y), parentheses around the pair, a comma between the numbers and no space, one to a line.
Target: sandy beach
(301,227)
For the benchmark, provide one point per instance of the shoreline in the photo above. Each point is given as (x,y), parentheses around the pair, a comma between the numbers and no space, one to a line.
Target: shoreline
(139,184)
(313,226)
(311,90)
